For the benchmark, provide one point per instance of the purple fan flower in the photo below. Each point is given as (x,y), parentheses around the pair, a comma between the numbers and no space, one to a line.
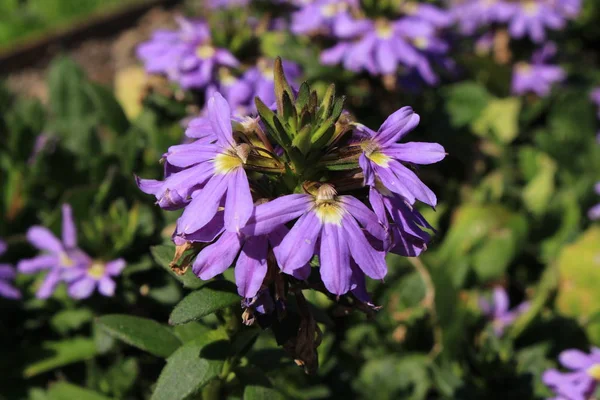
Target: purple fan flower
(498,310)
(537,77)
(220,168)
(186,56)
(58,256)
(382,157)
(402,221)
(581,382)
(532,17)
(384,46)
(7,275)
(429,13)
(473,14)
(226,3)
(205,172)
(594,212)
(330,16)
(568,8)
(328,227)
(82,282)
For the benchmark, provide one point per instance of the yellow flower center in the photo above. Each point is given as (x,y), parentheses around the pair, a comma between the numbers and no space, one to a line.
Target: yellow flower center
(410,8)
(96,271)
(66,261)
(328,10)
(421,42)
(373,153)
(226,162)
(594,371)
(329,212)
(205,51)
(383,29)
(530,8)
(523,67)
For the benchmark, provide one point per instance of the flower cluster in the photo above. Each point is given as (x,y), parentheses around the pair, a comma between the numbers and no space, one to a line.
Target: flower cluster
(379,46)
(7,274)
(498,310)
(67,263)
(581,382)
(293,186)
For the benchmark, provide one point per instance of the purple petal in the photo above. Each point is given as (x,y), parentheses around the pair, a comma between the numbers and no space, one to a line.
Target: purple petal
(409,181)
(204,206)
(397,125)
(416,152)
(334,258)
(370,261)
(200,128)
(106,286)
(217,257)
(208,232)
(43,239)
(385,57)
(367,168)
(272,215)
(114,267)
(501,302)
(3,247)
(364,215)
(298,246)
(49,284)
(7,272)
(82,289)
(186,155)
(32,265)
(69,232)
(238,204)
(8,291)
(359,284)
(251,266)
(219,114)
(575,359)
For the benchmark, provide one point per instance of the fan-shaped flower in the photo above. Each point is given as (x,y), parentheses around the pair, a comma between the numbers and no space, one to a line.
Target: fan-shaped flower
(498,310)
(537,76)
(582,381)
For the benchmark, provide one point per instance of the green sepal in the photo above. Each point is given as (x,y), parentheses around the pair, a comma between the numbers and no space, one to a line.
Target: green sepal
(281,85)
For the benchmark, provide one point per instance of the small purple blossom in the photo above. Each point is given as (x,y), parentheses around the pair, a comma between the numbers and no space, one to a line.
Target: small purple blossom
(582,380)
(537,76)
(594,212)
(328,16)
(532,17)
(498,310)
(7,275)
(328,226)
(383,158)
(83,282)
(474,14)
(186,56)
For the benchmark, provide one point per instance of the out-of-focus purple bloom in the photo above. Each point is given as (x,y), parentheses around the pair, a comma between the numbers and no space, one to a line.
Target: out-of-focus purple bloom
(384,46)
(226,3)
(43,142)
(436,16)
(498,310)
(594,212)
(531,18)
(537,76)
(327,16)
(328,226)
(186,56)
(473,14)
(383,158)
(582,379)
(569,8)
(83,282)
(404,223)
(595,97)
(7,275)
(58,255)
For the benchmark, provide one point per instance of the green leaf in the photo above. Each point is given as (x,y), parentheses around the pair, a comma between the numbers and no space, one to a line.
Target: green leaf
(163,254)
(539,190)
(579,267)
(500,117)
(211,297)
(465,102)
(261,393)
(190,368)
(68,320)
(142,333)
(281,86)
(68,391)
(63,353)
(107,107)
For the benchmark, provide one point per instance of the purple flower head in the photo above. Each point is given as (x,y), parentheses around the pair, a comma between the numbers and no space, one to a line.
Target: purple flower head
(429,13)
(384,46)
(474,14)
(59,256)
(328,16)
(498,310)
(186,56)
(582,380)
(532,17)
(226,3)
(383,158)
(594,212)
(7,275)
(328,226)
(83,282)
(404,223)
(537,76)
